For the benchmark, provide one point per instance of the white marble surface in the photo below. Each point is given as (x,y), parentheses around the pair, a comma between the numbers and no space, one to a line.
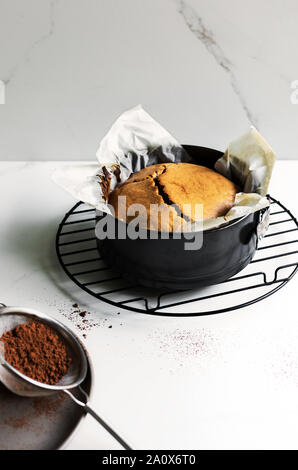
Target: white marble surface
(223,381)
(205,69)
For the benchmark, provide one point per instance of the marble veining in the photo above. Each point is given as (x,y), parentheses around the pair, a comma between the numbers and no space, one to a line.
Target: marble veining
(196,25)
(205,69)
(39,41)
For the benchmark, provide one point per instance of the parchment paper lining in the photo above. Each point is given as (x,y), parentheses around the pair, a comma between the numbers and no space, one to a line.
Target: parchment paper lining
(136,141)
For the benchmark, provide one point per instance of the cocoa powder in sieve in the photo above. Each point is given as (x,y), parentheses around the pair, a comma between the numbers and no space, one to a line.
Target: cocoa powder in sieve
(37,351)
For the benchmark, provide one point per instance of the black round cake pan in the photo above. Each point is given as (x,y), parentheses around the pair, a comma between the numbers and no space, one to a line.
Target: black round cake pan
(166,264)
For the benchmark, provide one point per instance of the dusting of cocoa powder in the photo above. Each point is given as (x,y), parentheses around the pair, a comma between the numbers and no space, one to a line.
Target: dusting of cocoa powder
(16,423)
(80,317)
(37,351)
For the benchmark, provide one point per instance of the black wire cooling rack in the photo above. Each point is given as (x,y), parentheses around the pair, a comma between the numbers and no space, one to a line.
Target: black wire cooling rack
(273,265)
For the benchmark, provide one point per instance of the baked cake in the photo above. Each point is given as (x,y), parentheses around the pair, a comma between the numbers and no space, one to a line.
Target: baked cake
(178,184)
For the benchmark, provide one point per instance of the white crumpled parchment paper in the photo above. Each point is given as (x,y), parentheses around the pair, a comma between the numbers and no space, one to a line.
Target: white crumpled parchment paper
(248,161)
(136,140)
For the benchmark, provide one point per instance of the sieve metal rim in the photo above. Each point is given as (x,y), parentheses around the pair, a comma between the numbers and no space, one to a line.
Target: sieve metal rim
(60,326)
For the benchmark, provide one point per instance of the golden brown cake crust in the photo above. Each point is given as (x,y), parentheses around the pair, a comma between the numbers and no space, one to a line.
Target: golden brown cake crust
(180,184)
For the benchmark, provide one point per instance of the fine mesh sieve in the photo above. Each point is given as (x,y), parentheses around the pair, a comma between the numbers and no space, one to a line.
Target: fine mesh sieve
(20,384)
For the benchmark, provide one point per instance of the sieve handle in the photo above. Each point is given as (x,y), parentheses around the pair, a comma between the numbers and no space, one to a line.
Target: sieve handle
(93,413)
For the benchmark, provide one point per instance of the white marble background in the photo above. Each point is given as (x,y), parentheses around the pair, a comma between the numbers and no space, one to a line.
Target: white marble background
(205,69)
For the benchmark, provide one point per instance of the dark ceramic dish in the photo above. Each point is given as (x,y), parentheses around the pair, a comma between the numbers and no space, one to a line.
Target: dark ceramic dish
(164,263)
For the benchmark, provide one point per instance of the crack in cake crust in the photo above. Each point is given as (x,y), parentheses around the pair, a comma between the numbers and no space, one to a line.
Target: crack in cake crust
(175,189)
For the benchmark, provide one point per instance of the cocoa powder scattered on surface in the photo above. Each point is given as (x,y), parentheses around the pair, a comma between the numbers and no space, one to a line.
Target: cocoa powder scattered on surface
(37,351)
(81,318)
(16,423)
(47,406)
(183,344)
